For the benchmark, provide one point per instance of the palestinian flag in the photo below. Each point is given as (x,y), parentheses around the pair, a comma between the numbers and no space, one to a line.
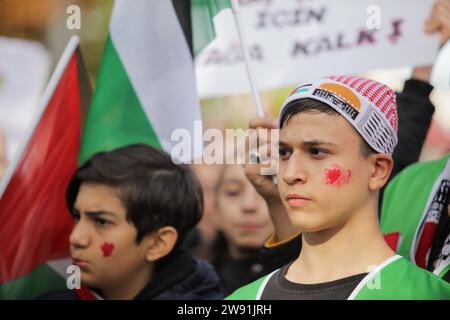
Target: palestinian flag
(203,13)
(145,90)
(146,83)
(34,220)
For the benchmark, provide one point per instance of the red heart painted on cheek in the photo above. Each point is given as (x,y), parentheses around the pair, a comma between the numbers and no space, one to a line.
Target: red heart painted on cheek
(332,175)
(107,249)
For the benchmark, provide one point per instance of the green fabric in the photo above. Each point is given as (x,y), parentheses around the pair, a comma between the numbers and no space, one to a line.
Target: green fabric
(247,292)
(41,280)
(402,280)
(116,117)
(405,199)
(202,13)
(444,271)
(399,280)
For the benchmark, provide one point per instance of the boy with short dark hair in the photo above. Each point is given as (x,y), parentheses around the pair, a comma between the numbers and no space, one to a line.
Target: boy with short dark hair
(337,136)
(133,207)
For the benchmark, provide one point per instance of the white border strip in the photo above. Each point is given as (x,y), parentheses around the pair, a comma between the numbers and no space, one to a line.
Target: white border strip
(371,275)
(264,284)
(43,102)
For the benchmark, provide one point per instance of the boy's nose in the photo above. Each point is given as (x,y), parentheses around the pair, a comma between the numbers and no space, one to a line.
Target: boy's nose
(294,172)
(79,238)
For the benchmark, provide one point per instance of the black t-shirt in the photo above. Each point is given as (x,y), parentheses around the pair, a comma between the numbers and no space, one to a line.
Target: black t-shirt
(280,288)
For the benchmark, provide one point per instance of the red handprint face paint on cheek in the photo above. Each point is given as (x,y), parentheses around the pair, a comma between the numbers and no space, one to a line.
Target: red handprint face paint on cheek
(336,176)
(107,249)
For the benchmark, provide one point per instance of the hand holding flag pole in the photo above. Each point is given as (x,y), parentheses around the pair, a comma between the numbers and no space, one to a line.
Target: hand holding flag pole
(250,74)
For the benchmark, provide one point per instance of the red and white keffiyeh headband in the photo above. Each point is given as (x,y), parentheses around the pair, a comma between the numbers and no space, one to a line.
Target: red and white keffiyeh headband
(369,106)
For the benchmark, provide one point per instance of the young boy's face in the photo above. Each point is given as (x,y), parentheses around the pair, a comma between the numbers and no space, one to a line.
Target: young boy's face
(103,243)
(323,177)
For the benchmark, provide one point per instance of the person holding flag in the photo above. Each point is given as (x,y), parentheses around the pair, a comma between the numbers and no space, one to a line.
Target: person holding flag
(415,112)
(337,137)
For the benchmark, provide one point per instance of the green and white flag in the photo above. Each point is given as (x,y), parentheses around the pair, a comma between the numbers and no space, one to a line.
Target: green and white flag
(203,13)
(146,84)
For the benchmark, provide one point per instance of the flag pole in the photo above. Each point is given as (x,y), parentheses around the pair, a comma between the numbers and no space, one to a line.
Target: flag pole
(244,48)
(43,102)
(243,42)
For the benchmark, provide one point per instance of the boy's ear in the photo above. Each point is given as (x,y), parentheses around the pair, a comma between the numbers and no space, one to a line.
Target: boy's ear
(160,243)
(381,165)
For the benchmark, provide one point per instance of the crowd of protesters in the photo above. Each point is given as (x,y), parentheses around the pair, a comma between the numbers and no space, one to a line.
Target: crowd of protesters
(349,195)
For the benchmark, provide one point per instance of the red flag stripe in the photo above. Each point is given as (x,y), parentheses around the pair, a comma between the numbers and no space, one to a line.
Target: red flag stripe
(34,220)
(425,242)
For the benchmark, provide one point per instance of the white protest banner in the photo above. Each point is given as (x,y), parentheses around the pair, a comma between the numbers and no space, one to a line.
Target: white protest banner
(290,40)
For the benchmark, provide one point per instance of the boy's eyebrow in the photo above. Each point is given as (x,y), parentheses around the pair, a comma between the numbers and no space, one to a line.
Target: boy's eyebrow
(96,214)
(318,142)
(308,143)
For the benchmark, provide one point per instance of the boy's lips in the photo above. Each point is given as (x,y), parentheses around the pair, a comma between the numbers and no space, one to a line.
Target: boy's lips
(296,200)
(80,263)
